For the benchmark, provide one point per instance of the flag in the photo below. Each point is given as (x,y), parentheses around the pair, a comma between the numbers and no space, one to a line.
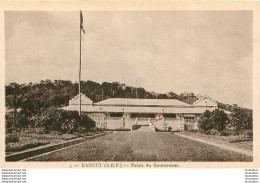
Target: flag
(81,23)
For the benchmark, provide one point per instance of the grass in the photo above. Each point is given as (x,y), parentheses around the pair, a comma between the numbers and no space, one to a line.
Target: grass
(143,146)
(49,136)
(29,140)
(26,143)
(238,141)
(21,147)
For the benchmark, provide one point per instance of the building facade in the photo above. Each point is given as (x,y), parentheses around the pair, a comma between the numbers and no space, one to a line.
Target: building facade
(131,113)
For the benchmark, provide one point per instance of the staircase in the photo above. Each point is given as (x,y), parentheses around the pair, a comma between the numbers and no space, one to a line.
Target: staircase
(142,129)
(143,121)
(142,124)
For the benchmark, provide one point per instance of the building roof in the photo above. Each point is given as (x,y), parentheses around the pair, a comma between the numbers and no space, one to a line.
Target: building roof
(133,105)
(205,101)
(84,100)
(187,110)
(141,102)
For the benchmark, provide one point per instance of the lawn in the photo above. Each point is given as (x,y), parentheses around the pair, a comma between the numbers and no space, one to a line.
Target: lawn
(238,141)
(143,146)
(29,140)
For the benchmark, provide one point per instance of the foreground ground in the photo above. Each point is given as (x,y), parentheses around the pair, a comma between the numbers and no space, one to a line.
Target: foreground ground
(29,140)
(142,146)
(239,142)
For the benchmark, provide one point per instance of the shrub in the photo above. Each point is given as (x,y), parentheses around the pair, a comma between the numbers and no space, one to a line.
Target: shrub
(96,129)
(12,138)
(15,121)
(226,133)
(65,121)
(118,129)
(212,132)
(234,132)
(250,134)
(197,131)
(86,123)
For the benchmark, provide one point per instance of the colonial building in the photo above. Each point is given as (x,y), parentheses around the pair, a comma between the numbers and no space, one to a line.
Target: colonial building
(130,113)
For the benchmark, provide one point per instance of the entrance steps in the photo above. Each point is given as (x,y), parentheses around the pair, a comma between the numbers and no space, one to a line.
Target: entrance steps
(142,128)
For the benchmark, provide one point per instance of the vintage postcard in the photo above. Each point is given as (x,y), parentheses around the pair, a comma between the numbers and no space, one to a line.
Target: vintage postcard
(130,85)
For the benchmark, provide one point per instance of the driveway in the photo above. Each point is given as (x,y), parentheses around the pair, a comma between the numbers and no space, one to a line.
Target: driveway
(143,146)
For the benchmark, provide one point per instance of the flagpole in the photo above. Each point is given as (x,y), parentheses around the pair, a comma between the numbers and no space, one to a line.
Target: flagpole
(79,64)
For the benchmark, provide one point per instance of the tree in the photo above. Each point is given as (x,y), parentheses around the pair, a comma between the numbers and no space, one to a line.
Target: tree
(216,119)
(18,122)
(205,121)
(241,119)
(220,119)
(65,121)
(173,95)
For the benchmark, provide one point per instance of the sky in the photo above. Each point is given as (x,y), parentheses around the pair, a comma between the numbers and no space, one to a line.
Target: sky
(204,52)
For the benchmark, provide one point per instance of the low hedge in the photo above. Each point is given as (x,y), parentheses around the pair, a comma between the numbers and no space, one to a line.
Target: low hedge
(24,147)
(12,138)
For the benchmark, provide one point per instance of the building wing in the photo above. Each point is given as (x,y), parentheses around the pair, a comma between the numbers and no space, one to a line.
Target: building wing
(84,100)
(118,109)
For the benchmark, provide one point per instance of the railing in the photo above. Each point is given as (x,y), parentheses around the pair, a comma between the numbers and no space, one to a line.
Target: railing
(153,120)
(115,118)
(152,127)
(134,126)
(143,119)
(131,119)
(170,119)
(189,120)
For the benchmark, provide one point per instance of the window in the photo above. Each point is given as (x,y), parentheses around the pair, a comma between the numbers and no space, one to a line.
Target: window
(116,114)
(189,119)
(169,115)
(142,115)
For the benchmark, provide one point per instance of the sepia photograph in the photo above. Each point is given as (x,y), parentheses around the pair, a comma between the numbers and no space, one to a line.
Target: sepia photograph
(129,86)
